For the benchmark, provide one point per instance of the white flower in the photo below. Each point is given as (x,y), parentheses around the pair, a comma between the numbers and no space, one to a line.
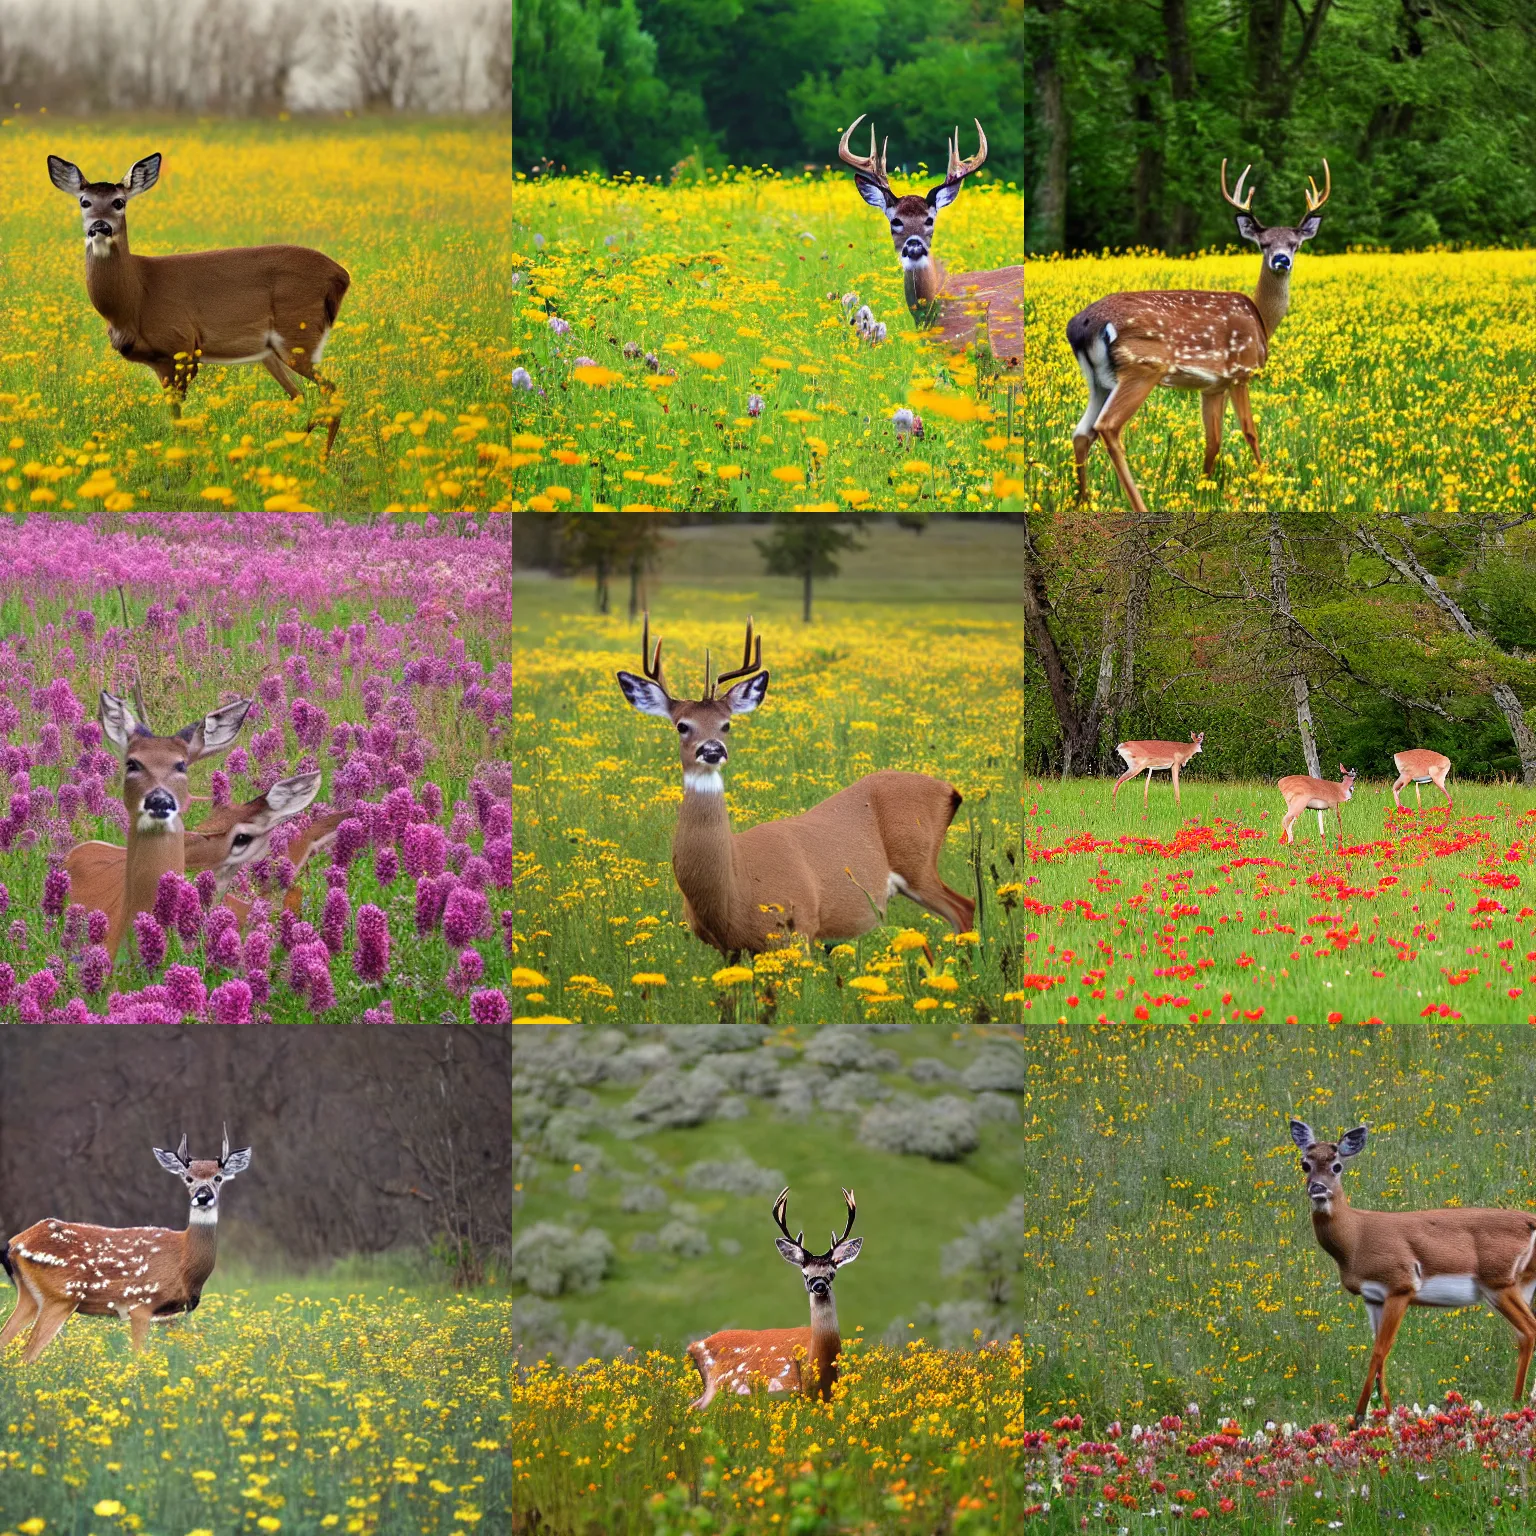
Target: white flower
(517,277)
(863,320)
(631,349)
(520,379)
(585,362)
(877,335)
(754,405)
(558,326)
(850,302)
(903,420)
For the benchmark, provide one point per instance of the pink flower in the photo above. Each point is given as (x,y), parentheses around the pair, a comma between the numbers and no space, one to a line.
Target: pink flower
(490,1007)
(231,1003)
(386,866)
(333,924)
(189,913)
(95,965)
(168,899)
(371,958)
(220,787)
(185,991)
(150,935)
(498,853)
(426,850)
(207,884)
(466,916)
(469,971)
(350,839)
(96,925)
(55,892)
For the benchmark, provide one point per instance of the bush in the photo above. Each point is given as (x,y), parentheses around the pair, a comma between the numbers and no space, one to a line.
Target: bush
(538,1330)
(944,1128)
(843,1047)
(997,1108)
(845,1094)
(643,1197)
(998,1069)
(753,1072)
(929,1072)
(638,1063)
(677,1098)
(691,1041)
(550,1259)
(742,1177)
(687,1242)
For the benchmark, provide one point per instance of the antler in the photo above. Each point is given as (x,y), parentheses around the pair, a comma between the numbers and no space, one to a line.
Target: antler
(872,165)
(1314,201)
(748,664)
(651,665)
(852,1212)
(224,1155)
(780,1207)
(1232,197)
(959,168)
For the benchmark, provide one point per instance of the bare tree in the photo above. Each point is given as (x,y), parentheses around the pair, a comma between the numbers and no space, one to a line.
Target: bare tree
(498,55)
(391,56)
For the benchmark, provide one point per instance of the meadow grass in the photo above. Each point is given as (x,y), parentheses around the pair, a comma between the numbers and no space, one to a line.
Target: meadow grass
(1374,400)
(419,351)
(309,1409)
(734,285)
(1202,911)
(933,687)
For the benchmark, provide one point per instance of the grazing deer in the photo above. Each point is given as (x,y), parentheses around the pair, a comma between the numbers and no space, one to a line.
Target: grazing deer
(827,873)
(144,1274)
(1152,756)
(1421,766)
(1130,343)
(739,1358)
(958,300)
(1304,793)
(122,881)
(271,304)
(1459,1256)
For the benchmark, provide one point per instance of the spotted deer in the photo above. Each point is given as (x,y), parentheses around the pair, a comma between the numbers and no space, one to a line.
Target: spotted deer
(784,1359)
(143,1274)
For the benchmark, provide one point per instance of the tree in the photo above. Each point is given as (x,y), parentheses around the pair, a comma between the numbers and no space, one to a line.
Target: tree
(804,546)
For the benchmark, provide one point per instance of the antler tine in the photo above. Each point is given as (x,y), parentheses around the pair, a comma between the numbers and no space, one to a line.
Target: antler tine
(651,666)
(780,1208)
(749,663)
(852,1212)
(959,168)
(872,165)
(1314,201)
(1233,196)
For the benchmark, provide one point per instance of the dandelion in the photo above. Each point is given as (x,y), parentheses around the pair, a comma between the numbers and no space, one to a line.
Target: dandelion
(790,474)
(730,976)
(709,360)
(598,377)
(648,979)
(728,471)
(106,1507)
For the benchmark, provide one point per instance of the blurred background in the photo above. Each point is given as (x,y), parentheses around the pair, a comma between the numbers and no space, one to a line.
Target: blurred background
(658,86)
(1426,110)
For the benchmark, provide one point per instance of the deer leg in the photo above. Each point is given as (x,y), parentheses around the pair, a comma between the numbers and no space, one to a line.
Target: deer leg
(281,374)
(1176,800)
(138,1326)
(1444,791)
(1146,790)
(1396,788)
(1083,433)
(1130,773)
(1418,793)
(1213,406)
(25,1311)
(1390,1321)
(1123,403)
(51,1316)
(1244,411)
(1512,1304)
(299,361)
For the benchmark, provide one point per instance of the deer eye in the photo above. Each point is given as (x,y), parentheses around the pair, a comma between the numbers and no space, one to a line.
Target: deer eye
(117,202)
(725,727)
(85,202)
(218,1178)
(682,727)
(181,767)
(133,765)
(1338,1167)
(241,839)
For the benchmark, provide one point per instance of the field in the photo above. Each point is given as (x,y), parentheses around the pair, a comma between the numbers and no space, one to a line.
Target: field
(419,351)
(1207,915)
(290,1408)
(1375,399)
(377,654)
(916,666)
(1183,1344)
(733,287)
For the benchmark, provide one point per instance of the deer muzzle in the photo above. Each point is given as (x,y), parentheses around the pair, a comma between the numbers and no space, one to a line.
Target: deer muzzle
(711,752)
(160,804)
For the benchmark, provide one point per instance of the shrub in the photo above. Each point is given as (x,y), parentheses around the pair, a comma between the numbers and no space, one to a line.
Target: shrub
(997,1108)
(677,1098)
(944,1128)
(998,1069)
(929,1072)
(639,1062)
(643,1197)
(741,1177)
(538,1331)
(843,1047)
(687,1242)
(551,1259)
(691,1041)
(845,1094)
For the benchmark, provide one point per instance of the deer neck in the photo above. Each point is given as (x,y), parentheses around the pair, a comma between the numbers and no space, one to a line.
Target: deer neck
(115,283)
(922,282)
(703,856)
(199,1244)
(826,1342)
(1272,297)
(1338,1230)
(150,855)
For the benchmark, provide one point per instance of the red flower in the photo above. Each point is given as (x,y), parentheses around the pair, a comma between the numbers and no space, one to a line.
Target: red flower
(1335,1017)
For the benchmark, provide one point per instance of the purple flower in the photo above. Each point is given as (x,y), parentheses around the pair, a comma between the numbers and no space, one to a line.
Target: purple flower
(498,853)
(220,787)
(74,926)
(322,990)
(189,913)
(185,991)
(55,892)
(333,923)
(17,932)
(490,1007)
(95,966)
(267,745)
(309,724)
(556,324)
(168,898)
(230,1003)
(371,957)
(426,850)
(386,866)
(96,925)
(270,689)
(754,405)
(43,986)
(151,938)
(432,799)
(469,970)
(224,947)
(258,951)
(237,762)
(7,984)
(430,899)
(374,691)
(350,840)
(383,1014)
(74,1012)
(476,872)
(5,898)
(466,916)
(207,885)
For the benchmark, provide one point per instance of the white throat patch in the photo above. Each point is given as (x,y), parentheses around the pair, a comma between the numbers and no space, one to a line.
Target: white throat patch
(703,783)
(202,1218)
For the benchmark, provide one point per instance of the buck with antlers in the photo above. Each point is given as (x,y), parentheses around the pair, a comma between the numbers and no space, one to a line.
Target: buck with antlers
(122,881)
(1461,1256)
(784,1359)
(269,304)
(957,300)
(1131,343)
(827,873)
(144,1274)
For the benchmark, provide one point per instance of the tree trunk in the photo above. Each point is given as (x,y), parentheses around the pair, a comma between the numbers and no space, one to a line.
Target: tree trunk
(805,615)
(1048,221)
(1079,728)
(1181,83)
(1280,600)
(602,585)
(1150,229)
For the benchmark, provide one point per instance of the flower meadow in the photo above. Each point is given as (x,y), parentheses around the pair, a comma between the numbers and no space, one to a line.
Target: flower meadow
(375,654)
(363,1414)
(1425,912)
(1417,432)
(706,346)
(418,352)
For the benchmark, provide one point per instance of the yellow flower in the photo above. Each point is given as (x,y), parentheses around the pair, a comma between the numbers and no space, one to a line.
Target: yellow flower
(790,474)
(565,456)
(846,950)
(941,983)
(731,975)
(955,407)
(526,440)
(648,979)
(729,471)
(537,504)
(1007,485)
(923,1004)
(658,479)
(524,978)
(208,493)
(776,363)
(100,484)
(997,442)
(854,498)
(439,1487)
(919,467)
(205,1477)
(707,359)
(543,1018)
(596,375)
(31,1527)
(272,1523)
(467,1513)
(798,415)
(869,984)
(107,1507)
(204,1531)
(909,938)
(558,492)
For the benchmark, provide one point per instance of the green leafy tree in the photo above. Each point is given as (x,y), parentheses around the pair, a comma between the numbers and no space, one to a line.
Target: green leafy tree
(804,547)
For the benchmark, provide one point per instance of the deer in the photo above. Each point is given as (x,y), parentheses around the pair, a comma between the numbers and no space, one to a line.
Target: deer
(800,1360)
(1152,756)
(1129,344)
(143,1274)
(122,881)
(1458,1256)
(1420,766)
(828,873)
(270,304)
(1304,793)
(956,300)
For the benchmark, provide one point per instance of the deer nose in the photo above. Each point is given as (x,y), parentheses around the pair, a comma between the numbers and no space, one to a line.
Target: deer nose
(99,227)
(711,752)
(914,248)
(160,803)
(1316,1190)
(1280,261)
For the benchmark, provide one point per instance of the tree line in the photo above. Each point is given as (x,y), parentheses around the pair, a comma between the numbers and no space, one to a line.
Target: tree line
(1425,109)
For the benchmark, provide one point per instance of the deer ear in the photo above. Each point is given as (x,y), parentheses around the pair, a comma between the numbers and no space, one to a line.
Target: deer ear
(791,1251)
(65,175)
(142,177)
(944,194)
(1309,226)
(1301,1134)
(118,724)
(1249,227)
(745,696)
(846,1253)
(236,1162)
(648,697)
(169,1161)
(873,193)
(215,732)
(1352,1143)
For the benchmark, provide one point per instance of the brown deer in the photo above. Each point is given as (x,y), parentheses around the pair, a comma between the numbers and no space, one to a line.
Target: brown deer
(1150,757)
(122,881)
(1302,792)
(827,873)
(144,1274)
(1461,1256)
(1131,343)
(957,300)
(784,1359)
(271,304)
(1421,766)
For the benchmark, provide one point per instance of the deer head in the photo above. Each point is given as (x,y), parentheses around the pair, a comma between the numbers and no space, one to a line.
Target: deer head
(1281,242)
